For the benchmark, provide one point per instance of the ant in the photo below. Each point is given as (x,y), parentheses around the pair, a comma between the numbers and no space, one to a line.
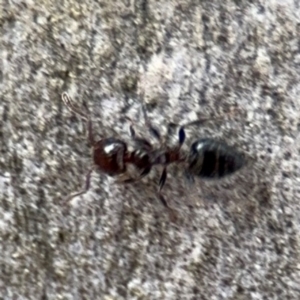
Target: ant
(207,158)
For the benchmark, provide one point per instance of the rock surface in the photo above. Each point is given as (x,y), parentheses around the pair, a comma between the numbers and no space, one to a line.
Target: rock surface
(236,238)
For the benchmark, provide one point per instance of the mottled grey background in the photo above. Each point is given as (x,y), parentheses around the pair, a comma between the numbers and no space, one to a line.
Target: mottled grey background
(235,239)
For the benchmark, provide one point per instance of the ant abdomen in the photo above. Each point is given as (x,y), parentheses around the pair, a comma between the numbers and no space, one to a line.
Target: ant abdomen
(213,159)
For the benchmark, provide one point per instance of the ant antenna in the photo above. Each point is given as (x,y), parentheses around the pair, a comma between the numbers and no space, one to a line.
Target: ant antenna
(68,102)
(208,119)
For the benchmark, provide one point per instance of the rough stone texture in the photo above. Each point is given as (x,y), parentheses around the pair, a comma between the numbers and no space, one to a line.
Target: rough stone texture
(234,239)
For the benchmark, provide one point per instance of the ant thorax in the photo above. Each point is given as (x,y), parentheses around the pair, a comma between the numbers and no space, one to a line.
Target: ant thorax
(159,157)
(139,157)
(166,156)
(140,153)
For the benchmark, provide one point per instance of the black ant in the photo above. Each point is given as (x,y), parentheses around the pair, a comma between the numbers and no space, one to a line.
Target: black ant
(208,158)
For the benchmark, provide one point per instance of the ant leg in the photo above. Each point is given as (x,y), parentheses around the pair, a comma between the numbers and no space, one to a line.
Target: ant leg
(202,121)
(143,143)
(189,177)
(84,190)
(154,131)
(181,131)
(162,180)
(91,138)
(144,173)
(172,213)
(68,102)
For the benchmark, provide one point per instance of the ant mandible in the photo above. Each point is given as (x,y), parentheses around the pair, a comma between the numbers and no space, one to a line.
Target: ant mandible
(208,158)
